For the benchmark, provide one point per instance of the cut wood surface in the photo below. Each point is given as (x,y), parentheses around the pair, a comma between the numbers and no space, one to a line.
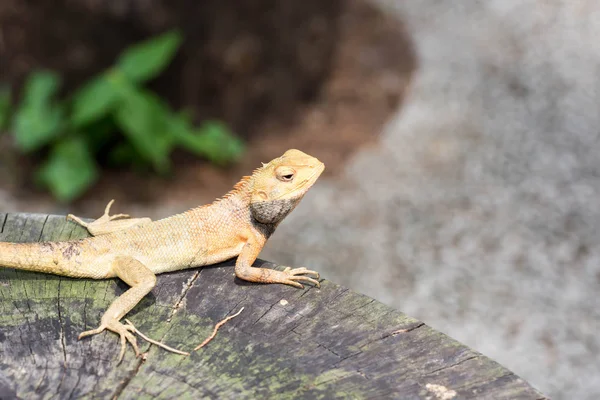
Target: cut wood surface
(287,343)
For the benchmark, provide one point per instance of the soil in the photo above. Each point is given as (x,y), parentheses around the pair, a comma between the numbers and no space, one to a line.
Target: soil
(320,78)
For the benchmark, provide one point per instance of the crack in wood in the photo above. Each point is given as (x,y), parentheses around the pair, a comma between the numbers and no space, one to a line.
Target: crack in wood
(22,231)
(405,330)
(265,313)
(340,294)
(22,336)
(391,334)
(452,365)
(310,289)
(368,303)
(174,310)
(346,358)
(97,380)
(62,339)
(330,351)
(85,325)
(42,230)
(184,292)
(236,306)
(76,384)
(37,387)
(4,223)
(127,380)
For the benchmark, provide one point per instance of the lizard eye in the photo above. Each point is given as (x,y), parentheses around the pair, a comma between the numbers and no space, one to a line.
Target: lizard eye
(285,174)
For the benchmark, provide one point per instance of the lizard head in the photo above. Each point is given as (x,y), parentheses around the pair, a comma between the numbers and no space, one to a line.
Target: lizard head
(279,186)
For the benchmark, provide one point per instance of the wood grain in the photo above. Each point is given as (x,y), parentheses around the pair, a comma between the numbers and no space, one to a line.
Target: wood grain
(289,343)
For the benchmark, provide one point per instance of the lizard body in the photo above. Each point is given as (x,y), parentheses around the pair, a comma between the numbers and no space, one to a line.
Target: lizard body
(136,249)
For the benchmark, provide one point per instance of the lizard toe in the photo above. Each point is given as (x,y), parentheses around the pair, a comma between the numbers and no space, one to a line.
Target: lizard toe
(125,336)
(302,270)
(118,216)
(292,283)
(297,274)
(107,208)
(305,279)
(91,332)
(77,220)
(123,347)
(133,342)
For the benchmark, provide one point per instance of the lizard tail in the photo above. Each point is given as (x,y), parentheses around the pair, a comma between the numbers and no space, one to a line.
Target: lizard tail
(25,256)
(60,258)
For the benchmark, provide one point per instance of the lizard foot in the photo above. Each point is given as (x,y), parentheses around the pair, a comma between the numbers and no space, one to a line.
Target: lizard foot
(102,220)
(109,223)
(294,275)
(124,331)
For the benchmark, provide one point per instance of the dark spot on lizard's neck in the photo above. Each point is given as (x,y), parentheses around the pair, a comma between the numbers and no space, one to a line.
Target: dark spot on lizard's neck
(273,211)
(265,229)
(266,215)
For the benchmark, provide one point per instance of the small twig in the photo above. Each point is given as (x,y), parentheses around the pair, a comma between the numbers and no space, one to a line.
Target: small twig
(400,331)
(159,344)
(217,326)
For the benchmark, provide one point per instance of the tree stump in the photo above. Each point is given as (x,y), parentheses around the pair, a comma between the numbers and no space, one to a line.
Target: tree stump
(289,343)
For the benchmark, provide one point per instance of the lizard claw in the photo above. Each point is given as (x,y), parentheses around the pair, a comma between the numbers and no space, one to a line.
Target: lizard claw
(106,223)
(75,219)
(123,331)
(108,206)
(109,217)
(102,220)
(294,275)
(127,336)
(91,332)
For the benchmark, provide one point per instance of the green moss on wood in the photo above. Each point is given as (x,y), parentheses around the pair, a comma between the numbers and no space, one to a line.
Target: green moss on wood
(328,343)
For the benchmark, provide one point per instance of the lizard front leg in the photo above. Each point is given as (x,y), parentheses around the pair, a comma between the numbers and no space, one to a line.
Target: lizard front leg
(109,223)
(142,280)
(244,269)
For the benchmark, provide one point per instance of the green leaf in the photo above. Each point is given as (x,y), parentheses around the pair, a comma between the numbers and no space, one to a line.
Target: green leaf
(212,140)
(94,100)
(33,128)
(40,87)
(4,106)
(141,116)
(37,120)
(146,60)
(69,170)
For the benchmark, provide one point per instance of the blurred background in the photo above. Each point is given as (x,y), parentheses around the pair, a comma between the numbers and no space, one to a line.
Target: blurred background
(461,140)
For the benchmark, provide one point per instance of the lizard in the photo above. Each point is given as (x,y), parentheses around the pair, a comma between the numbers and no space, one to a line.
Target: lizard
(137,249)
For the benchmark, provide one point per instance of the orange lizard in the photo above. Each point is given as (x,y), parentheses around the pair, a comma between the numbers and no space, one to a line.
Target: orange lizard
(137,249)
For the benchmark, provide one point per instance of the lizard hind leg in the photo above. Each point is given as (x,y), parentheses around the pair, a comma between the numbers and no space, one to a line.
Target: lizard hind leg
(142,280)
(108,223)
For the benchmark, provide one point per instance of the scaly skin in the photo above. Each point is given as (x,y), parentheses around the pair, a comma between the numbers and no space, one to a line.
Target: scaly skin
(137,249)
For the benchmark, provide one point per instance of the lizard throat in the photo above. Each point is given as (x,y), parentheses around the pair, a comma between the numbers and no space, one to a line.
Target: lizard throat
(272,212)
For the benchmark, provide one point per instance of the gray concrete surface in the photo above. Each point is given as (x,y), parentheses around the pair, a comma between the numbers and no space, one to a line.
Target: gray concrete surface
(479,212)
